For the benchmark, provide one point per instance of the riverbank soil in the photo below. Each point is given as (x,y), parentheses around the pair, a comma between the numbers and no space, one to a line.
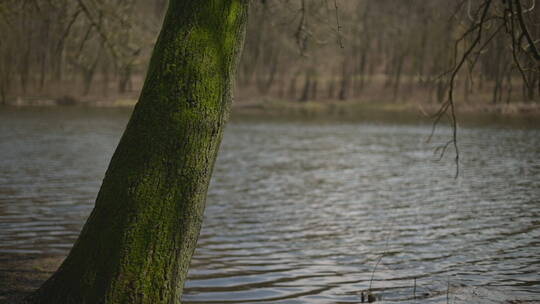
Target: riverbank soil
(20,274)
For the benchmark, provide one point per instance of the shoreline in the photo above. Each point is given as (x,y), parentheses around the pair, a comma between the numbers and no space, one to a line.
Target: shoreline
(347,108)
(23,273)
(319,107)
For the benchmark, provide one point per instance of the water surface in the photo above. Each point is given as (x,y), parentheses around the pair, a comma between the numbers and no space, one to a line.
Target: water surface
(302,211)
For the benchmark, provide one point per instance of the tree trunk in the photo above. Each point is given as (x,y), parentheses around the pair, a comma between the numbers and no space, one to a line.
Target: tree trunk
(398,72)
(306,90)
(345,80)
(137,244)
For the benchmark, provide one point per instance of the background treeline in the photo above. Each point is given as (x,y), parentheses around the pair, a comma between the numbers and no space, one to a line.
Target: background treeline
(296,50)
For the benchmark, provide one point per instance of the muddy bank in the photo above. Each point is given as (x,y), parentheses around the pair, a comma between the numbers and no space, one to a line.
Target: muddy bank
(310,108)
(20,274)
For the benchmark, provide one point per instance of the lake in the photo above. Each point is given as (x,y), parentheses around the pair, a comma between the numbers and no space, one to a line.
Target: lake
(308,210)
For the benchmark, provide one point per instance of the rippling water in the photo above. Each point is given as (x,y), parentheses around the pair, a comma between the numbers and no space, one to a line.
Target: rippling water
(302,212)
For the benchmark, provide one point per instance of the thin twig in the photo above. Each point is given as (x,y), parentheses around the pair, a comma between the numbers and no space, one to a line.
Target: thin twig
(448,291)
(414,290)
(379,261)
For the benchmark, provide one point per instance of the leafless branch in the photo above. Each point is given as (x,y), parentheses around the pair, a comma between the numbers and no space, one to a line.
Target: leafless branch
(449,103)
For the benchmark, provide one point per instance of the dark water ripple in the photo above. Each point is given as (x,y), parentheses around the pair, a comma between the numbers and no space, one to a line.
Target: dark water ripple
(301,212)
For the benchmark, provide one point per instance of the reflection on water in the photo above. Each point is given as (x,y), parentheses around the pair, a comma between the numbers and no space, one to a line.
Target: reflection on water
(300,212)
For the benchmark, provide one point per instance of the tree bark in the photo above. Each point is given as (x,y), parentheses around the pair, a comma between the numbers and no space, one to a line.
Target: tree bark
(137,244)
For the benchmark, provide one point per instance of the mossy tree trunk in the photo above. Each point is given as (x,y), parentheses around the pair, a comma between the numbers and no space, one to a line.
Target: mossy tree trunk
(138,241)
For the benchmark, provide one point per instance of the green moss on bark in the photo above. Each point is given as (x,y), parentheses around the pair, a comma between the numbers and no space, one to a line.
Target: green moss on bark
(137,244)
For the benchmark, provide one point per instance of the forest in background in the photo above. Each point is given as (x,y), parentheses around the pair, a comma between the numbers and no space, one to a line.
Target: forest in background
(67,51)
